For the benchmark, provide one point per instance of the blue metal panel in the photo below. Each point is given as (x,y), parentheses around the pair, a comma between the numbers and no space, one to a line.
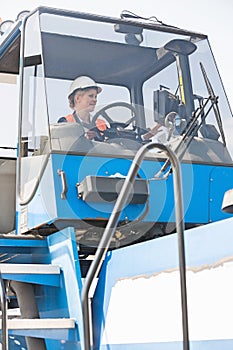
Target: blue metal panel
(221,180)
(50,280)
(63,251)
(22,245)
(16,343)
(76,169)
(22,250)
(199,191)
(195,180)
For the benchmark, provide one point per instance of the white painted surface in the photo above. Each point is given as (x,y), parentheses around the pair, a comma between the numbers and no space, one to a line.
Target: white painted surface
(147,309)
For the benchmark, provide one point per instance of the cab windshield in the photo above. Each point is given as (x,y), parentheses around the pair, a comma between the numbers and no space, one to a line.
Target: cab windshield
(149,74)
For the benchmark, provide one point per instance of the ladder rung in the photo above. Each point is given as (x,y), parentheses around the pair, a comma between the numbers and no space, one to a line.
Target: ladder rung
(45,323)
(38,269)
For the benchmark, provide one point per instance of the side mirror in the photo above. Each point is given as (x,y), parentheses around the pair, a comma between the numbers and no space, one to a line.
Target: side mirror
(179,46)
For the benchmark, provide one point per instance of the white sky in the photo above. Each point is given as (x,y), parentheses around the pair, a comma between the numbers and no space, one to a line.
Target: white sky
(211,17)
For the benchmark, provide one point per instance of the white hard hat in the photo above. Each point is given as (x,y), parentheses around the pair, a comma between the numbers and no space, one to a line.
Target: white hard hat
(83,82)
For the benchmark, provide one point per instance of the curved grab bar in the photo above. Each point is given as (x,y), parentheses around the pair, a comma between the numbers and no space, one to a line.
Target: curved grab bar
(111,227)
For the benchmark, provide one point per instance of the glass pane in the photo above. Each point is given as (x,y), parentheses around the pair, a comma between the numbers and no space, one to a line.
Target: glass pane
(9,87)
(207,110)
(34,114)
(147,76)
(157,72)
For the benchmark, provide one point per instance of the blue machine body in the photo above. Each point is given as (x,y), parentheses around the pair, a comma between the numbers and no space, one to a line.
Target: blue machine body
(103,247)
(151,270)
(204,186)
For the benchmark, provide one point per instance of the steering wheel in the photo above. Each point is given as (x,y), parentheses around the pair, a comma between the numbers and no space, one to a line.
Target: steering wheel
(113,124)
(116,130)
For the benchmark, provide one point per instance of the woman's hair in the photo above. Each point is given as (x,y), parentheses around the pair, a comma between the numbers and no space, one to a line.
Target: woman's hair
(79,92)
(72,96)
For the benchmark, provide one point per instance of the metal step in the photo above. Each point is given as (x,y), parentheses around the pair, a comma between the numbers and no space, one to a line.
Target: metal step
(32,273)
(52,328)
(42,323)
(12,246)
(29,269)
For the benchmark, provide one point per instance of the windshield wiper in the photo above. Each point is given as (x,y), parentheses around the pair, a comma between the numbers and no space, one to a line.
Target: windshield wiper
(188,135)
(214,99)
(193,127)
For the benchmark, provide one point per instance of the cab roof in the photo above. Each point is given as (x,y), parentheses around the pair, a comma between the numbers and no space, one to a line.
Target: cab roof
(10,42)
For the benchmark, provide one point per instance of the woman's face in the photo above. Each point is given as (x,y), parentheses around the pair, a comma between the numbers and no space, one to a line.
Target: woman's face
(86,100)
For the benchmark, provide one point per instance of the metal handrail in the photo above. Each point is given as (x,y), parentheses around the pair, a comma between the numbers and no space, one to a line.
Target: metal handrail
(111,227)
(3,305)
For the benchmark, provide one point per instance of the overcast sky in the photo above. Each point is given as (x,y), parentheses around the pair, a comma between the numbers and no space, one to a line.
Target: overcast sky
(211,17)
